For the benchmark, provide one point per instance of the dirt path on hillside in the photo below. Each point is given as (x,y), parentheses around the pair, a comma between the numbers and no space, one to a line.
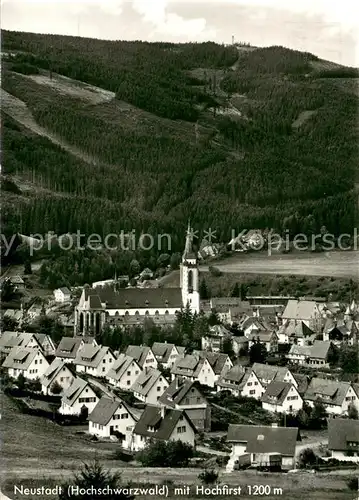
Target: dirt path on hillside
(18,110)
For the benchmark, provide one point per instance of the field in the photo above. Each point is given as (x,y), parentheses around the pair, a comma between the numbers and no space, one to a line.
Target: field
(38,453)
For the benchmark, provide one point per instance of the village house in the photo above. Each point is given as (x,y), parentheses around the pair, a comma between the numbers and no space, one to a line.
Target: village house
(113,416)
(334,395)
(267,373)
(229,309)
(124,372)
(306,311)
(241,382)
(252,325)
(9,340)
(295,332)
(166,354)
(31,363)
(95,360)
(185,395)
(68,348)
(343,439)
(240,345)
(282,397)
(57,373)
(149,386)
(79,398)
(165,424)
(267,338)
(143,355)
(219,362)
(317,355)
(213,341)
(262,446)
(62,295)
(193,367)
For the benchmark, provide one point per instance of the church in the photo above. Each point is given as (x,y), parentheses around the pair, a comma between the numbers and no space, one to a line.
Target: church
(102,306)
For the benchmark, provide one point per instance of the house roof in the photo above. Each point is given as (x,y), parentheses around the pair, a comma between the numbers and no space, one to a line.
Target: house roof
(139,353)
(20,358)
(163,427)
(91,355)
(176,392)
(64,290)
(264,439)
(219,330)
(341,431)
(136,298)
(146,380)
(13,339)
(276,392)
(106,408)
(53,370)
(235,378)
(162,350)
(300,309)
(217,360)
(73,392)
(295,328)
(327,390)
(188,364)
(68,347)
(270,372)
(263,335)
(320,349)
(300,350)
(120,366)
(302,382)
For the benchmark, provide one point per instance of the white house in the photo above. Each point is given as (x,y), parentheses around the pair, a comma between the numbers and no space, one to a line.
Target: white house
(9,340)
(78,398)
(213,341)
(241,382)
(62,294)
(295,332)
(150,386)
(306,311)
(165,424)
(193,367)
(114,417)
(219,362)
(95,360)
(343,439)
(313,356)
(31,363)
(260,443)
(57,373)
(68,348)
(124,372)
(166,354)
(282,397)
(143,355)
(267,373)
(46,343)
(335,396)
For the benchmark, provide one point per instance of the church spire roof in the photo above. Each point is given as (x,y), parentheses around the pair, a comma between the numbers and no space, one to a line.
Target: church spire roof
(188,250)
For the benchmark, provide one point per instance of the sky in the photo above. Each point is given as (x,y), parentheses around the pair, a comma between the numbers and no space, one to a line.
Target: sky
(326,28)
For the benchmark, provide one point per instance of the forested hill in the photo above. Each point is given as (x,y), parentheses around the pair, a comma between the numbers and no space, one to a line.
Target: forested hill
(232,137)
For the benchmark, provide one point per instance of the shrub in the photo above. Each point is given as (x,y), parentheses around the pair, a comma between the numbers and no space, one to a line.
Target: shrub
(56,388)
(215,271)
(165,454)
(208,476)
(307,458)
(353,483)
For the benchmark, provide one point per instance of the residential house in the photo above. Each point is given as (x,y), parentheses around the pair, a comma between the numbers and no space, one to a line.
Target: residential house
(143,355)
(306,311)
(186,396)
(267,373)
(317,355)
(262,444)
(62,294)
(229,309)
(57,373)
(46,343)
(268,338)
(165,424)
(252,324)
(31,363)
(9,340)
(219,361)
(343,439)
(149,386)
(213,341)
(194,367)
(79,398)
(69,347)
(124,372)
(282,397)
(334,395)
(95,360)
(166,354)
(113,416)
(295,332)
(240,344)
(241,382)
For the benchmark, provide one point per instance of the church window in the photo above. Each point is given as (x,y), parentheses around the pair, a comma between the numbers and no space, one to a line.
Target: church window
(147,313)
(166,312)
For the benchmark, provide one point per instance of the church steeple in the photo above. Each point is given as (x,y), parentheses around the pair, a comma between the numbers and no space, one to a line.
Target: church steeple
(189,273)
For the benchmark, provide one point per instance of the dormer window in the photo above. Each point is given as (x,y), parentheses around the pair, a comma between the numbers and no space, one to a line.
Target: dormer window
(146,302)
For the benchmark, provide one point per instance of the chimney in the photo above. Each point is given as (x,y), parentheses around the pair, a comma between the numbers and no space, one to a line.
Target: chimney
(176,382)
(163,412)
(274,425)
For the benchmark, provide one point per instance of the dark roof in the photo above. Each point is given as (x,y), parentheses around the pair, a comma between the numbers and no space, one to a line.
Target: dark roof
(65,290)
(327,390)
(276,392)
(138,353)
(120,366)
(340,432)
(302,381)
(320,349)
(264,439)
(217,360)
(136,298)
(176,392)
(163,427)
(106,408)
(68,347)
(162,350)
(146,380)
